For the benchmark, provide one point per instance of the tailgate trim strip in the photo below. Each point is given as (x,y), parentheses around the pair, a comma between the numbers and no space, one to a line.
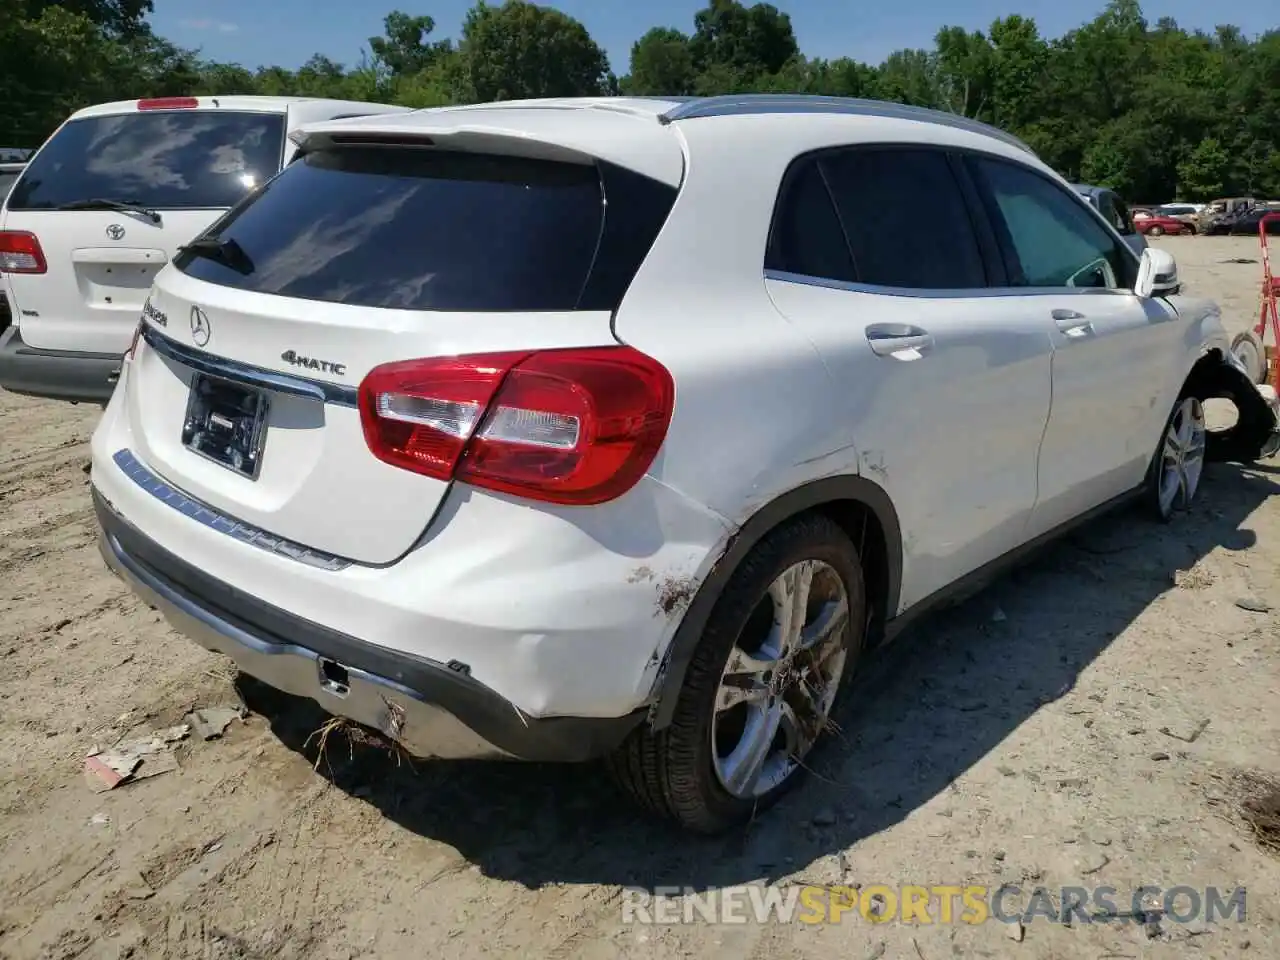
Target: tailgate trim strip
(214,519)
(215,366)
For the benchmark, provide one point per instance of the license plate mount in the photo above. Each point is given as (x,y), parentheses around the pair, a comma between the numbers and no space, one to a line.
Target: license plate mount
(226,422)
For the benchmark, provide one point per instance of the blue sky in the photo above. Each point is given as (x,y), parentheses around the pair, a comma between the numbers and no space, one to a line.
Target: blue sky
(287,32)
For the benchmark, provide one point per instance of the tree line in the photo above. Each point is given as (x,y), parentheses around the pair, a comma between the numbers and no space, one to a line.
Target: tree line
(1155,111)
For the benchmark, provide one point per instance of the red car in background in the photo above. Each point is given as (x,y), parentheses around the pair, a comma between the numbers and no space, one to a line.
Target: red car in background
(1155,224)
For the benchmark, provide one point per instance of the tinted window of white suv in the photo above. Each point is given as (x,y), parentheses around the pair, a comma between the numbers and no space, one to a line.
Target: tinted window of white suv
(1053,239)
(419,229)
(806,237)
(893,217)
(169,160)
(905,218)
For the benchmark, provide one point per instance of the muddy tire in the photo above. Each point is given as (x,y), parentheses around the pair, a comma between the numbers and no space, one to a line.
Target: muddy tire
(1173,477)
(782,641)
(1248,349)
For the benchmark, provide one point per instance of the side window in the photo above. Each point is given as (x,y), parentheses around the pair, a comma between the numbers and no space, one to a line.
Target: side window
(906,218)
(1054,239)
(806,237)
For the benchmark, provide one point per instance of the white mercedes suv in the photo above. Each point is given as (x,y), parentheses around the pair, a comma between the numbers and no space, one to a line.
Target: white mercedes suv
(627,428)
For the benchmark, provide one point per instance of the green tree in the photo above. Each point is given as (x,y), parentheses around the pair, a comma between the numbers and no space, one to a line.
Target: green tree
(964,72)
(117,18)
(910,76)
(661,64)
(404,47)
(1019,61)
(740,41)
(1203,173)
(521,50)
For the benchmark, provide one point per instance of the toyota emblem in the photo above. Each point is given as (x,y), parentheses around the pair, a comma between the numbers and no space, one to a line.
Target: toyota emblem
(115,232)
(200,329)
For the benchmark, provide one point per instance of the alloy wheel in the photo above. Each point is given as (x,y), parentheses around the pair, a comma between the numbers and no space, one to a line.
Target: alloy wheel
(780,680)
(1182,456)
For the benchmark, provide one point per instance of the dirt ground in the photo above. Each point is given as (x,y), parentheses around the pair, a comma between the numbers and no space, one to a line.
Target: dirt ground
(1020,738)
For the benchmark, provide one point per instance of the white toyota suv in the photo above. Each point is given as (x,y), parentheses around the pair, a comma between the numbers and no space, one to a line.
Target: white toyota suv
(625,427)
(104,204)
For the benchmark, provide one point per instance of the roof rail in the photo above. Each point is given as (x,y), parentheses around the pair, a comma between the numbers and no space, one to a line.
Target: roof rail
(738,105)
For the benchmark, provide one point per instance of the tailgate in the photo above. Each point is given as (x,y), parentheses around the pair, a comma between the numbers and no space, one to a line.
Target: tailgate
(99,267)
(315,481)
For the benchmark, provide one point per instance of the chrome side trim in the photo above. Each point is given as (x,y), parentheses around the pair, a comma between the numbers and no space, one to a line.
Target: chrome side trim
(206,515)
(215,366)
(975,293)
(763,103)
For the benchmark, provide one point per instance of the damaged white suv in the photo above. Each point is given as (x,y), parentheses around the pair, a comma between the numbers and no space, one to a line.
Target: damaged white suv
(628,427)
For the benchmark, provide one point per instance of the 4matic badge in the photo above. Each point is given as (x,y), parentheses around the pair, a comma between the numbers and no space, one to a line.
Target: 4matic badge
(311,363)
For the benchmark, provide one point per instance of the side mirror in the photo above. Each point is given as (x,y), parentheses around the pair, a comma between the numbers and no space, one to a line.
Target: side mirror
(1157,274)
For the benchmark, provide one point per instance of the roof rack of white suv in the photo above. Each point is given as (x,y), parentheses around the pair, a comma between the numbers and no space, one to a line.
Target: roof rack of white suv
(733,104)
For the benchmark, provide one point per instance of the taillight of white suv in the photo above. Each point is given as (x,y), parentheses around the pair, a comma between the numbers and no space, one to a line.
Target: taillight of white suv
(573,426)
(20,252)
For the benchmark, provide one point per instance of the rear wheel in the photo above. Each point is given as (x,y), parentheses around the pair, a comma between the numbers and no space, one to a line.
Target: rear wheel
(757,697)
(1155,231)
(1174,475)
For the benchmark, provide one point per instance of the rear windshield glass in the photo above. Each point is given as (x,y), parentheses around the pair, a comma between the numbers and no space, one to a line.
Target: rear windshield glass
(169,160)
(6,181)
(424,229)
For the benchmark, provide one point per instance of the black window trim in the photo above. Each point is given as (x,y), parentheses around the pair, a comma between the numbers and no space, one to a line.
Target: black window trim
(1013,265)
(994,247)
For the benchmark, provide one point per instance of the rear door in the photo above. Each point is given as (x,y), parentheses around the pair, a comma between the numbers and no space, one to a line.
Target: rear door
(184,166)
(1113,350)
(352,258)
(946,388)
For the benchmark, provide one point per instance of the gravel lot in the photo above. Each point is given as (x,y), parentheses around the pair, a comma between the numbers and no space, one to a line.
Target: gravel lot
(1017,738)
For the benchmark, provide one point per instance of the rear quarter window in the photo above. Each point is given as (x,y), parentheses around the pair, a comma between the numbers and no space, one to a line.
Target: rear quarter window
(423,229)
(169,160)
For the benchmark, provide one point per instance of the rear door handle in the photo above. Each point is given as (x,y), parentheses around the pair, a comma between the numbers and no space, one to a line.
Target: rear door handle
(1072,324)
(900,341)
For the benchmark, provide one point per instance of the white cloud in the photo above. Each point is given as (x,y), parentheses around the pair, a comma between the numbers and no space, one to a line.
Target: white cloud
(219,26)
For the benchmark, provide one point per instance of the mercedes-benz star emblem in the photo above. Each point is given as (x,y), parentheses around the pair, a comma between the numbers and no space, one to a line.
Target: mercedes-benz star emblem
(200,329)
(115,232)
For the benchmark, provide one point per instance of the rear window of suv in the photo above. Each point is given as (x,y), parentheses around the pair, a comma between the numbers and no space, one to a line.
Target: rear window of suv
(168,160)
(423,229)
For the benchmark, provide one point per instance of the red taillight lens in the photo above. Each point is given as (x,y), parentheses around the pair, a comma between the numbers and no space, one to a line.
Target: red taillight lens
(20,252)
(576,426)
(169,103)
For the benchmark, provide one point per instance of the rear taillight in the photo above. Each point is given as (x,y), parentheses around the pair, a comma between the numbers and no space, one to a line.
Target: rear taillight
(20,253)
(577,426)
(169,103)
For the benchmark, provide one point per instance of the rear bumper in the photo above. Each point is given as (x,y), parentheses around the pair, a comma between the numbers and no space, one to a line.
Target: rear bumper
(55,374)
(432,709)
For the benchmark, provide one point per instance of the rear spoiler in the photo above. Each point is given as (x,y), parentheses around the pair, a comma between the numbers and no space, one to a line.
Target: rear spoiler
(646,148)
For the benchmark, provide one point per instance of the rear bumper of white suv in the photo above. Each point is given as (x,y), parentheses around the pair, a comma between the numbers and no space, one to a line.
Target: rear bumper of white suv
(432,709)
(55,374)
